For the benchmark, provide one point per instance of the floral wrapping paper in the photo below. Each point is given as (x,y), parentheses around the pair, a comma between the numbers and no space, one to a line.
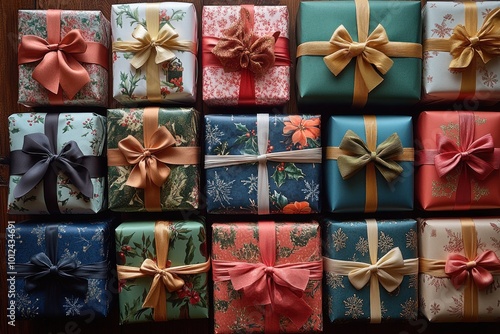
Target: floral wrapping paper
(295,242)
(89,131)
(293,187)
(348,241)
(440,301)
(94,27)
(177,76)
(86,242)
(221,88)
(181,189)
(441,84)
(135,242)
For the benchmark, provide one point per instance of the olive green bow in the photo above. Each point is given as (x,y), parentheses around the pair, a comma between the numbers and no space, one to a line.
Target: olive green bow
(358,155)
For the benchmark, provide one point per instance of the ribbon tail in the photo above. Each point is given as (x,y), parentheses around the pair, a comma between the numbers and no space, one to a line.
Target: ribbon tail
(47,72)
(291,306)
(31,178)
(73,75)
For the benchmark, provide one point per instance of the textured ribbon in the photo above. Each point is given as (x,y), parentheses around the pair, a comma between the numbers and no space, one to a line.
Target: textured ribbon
(371,51)
(389,270)
(354,154)
(150,160)
(60,59)
(470,270)
(46,272)
(152,46)
(241,50)
(277,287)
(468,43)
(299,156)
(40,160)
(163,279)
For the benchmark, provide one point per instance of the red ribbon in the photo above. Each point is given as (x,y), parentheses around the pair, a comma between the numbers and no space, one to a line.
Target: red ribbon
(459,268)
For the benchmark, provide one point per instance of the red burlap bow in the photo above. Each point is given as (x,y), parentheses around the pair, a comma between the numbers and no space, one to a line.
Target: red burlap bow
(458,267)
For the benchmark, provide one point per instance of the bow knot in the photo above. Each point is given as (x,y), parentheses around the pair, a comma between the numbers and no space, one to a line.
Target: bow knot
(459,268)
(471,264)
(162,278)
(269,270)
(356,49)
(474,40)
(373,268)
(54,270)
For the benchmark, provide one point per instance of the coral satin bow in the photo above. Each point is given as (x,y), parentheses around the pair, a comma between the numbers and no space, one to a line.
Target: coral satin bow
(458,268)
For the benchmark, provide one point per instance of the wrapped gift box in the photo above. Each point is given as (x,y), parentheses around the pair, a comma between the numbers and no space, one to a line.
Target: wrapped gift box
(316,84)
(354,291)
(81,283)
(446,79)
(448,180)
(286,179)
(264,79)
(163,143)
(166,74)
(382,184)
(179,250)
(58,163)
(459,269)
(245,256)
(84,39)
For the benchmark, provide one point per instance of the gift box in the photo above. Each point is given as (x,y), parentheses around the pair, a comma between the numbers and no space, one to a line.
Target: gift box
(162,270)
(388,67)
(163,71)
(57,163)
(371,156)
(371,270)
(62,269)
(455,68)
(267,277)
(459,269)
(458,159)
(63,58)
(263,163)
(153,159)
(262,77)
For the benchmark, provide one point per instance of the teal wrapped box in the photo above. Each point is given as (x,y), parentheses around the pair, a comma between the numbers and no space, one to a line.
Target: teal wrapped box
(327,74)
(372,157)
(371,270)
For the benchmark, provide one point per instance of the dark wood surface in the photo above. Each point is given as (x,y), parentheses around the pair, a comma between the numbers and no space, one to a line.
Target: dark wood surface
(8,105)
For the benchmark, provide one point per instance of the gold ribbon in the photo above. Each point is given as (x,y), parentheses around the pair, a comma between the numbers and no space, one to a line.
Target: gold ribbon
(370,50)
(389,270)
(163,278)
(153,46)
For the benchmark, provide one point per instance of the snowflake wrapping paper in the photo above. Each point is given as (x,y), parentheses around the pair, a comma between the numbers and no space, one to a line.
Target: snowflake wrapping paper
(171,78)
(179,244)
(440,238)
(286,179)
(229,88)
(441,83)
(349,241)
(295,245)
(375,191)
(74,289)
(316,23)
(93,28)
(445,179)
(165,140)
(73,182)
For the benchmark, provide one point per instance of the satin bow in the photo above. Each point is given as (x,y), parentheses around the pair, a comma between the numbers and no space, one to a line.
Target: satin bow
(349,165)
(366,54)
(58,65)
(38,146)
(486,43)
(458,267)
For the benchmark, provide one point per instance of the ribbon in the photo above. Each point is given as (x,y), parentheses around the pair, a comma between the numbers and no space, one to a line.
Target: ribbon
(277,287)
(153,46)
(40,160)
(472,271)
(468,43)
(60,59)
(299,156)
(45,271)
(354,154)
(149,160)
(163,279)
(388,271)
(370,51)
(240,50)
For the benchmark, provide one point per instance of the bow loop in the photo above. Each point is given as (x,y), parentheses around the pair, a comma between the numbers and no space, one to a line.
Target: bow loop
(459,268)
